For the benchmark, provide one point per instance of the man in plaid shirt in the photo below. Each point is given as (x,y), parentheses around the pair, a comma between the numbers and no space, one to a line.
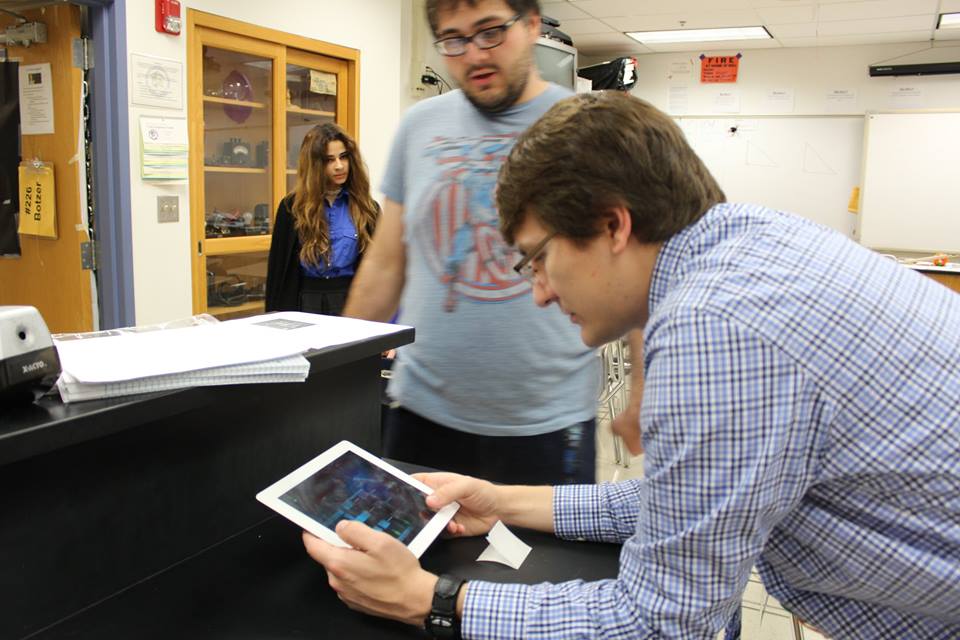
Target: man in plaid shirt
(801,409)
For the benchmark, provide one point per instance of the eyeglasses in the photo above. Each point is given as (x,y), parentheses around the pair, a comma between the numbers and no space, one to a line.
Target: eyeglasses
(525,266)
(484,39)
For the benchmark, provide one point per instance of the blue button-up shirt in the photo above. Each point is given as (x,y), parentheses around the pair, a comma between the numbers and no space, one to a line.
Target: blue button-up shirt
(344,247)
(801,413)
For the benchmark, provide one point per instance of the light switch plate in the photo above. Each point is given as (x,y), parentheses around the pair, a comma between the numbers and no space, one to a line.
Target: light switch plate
(168,208)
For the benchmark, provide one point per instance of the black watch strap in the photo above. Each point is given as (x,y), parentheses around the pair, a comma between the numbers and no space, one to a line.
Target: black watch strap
(442,621)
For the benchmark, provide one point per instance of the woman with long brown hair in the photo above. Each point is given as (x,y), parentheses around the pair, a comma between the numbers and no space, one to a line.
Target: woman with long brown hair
(322,228)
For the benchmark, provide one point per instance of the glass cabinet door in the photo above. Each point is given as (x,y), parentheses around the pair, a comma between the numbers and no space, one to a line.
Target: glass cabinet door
(237,199)
(314,96)
(236,284)
(253,95)
(237,136)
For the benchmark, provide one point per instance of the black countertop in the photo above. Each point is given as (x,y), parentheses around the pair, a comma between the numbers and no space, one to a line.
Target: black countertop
(31,429)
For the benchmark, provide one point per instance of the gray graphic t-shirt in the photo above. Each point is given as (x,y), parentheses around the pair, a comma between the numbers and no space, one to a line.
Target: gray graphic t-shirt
(486,359)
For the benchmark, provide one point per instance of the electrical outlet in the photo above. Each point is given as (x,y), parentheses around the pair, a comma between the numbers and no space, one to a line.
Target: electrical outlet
(168,208)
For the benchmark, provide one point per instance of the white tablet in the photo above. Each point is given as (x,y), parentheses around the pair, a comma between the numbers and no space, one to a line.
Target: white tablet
(347,483)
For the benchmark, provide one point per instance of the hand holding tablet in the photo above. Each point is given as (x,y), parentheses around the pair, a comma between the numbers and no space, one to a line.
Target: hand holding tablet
(346,482)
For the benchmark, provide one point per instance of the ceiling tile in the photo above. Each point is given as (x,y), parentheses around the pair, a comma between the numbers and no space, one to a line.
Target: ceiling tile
(760,4)
(581,27)
(791,22)
(786,15)
(711,48)
(873,38)
(873,9)
(801,30)
(701,20)
(806,41)
(562,11)
(610,8)
(880,25)
(593,41)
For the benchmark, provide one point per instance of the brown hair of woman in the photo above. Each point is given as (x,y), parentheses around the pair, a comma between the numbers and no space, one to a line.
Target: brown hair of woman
(314,183)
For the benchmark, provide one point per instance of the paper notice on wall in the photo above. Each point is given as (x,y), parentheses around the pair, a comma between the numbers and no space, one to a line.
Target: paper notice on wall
(36,99)
(906,97)
(163,148)
(156,82)
(727,101)
(778,101)
(840,101)
(681,70)
(679,102)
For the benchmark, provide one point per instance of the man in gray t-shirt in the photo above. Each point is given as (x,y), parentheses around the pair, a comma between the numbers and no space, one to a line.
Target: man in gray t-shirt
(493,386)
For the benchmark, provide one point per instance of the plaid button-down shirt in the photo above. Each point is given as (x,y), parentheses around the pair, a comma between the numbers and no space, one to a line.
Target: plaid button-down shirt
(801,413)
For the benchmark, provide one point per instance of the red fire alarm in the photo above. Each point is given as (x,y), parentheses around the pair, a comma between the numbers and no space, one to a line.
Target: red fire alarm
(168,17)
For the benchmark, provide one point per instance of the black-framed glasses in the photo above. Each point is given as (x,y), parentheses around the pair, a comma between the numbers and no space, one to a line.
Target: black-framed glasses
(484,39)
(525,266)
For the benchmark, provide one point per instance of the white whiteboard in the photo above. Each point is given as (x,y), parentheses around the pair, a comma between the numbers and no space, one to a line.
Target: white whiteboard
(805,165)
(911,186)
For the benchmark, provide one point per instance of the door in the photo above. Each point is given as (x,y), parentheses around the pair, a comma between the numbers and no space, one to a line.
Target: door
(48,273)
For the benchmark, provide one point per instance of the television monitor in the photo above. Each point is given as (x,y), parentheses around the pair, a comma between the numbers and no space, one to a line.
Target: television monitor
(557,62)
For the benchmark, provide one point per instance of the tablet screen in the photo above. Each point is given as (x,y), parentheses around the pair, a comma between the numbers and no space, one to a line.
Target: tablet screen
(351,488)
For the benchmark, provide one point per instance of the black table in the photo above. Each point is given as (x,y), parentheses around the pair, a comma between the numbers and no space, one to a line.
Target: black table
(261,584)
(136,517)
(101,495)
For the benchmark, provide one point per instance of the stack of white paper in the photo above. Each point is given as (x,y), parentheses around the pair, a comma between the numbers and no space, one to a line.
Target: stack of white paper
(291,369)
(264,348)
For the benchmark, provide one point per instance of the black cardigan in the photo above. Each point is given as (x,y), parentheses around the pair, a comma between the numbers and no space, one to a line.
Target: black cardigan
(284,275)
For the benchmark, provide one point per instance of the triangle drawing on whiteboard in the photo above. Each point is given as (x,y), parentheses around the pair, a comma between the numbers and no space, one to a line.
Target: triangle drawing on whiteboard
(757,157)
(813,162)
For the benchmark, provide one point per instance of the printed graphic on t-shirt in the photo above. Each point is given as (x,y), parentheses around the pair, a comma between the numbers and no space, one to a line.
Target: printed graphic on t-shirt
(463,243)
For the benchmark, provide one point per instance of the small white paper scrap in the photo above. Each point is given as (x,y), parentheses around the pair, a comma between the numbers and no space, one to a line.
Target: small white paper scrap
(505,547)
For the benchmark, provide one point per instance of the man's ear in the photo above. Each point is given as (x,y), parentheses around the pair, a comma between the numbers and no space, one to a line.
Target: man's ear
(618,226)
(534,25)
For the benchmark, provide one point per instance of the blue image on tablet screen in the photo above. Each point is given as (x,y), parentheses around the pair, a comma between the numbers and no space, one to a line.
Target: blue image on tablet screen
(351,488)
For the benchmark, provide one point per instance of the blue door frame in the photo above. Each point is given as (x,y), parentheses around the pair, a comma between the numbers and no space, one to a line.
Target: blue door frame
(109,115)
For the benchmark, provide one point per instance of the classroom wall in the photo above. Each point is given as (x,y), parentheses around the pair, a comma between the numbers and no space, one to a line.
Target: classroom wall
(780,137)
(390,65)
(161,252)
(419,54)
(810,73)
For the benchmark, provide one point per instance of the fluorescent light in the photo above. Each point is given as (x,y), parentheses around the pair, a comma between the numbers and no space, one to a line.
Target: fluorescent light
(949,21)
(700,35)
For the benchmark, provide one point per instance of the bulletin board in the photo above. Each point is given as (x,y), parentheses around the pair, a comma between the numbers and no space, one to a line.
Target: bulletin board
(807,165)
(911,187)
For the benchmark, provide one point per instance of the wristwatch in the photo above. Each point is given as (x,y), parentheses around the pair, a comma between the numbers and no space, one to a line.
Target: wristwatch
(442,621)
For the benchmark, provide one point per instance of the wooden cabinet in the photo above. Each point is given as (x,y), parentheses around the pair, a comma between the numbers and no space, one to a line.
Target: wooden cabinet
(254,93)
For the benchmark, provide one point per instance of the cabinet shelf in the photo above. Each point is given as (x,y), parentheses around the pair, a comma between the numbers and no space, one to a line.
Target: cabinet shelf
(231,101)
(292,108)
(236,245)
(215,169)
(247,308)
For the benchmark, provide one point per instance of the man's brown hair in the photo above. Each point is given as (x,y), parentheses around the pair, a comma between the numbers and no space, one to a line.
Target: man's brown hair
(434,7)
(596,150)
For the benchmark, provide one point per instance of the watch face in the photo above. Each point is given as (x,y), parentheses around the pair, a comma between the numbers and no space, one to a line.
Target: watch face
(441,626)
